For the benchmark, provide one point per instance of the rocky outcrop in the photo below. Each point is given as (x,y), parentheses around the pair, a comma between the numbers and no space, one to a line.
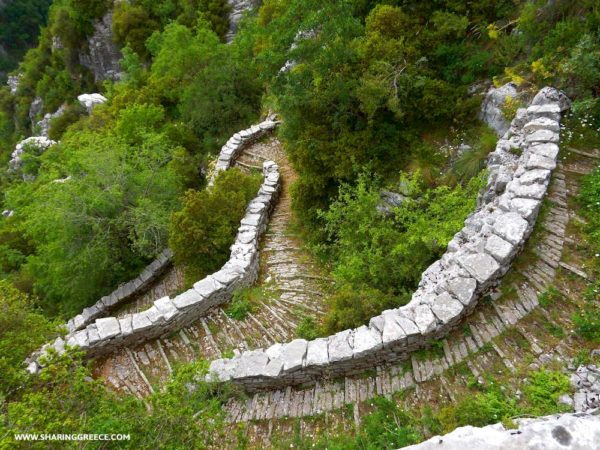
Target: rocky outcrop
(586,382)
(106,334)
(238,8)
(476,259)
(88,101)
(13,83)
(102,56)
(34,144)
(563,431)
(491,108)
(43,126)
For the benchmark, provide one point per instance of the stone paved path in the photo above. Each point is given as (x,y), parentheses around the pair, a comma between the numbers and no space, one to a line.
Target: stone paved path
(468,353)
(293,289)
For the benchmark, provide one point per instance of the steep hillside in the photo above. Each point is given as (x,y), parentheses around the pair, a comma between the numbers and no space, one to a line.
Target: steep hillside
(298,223)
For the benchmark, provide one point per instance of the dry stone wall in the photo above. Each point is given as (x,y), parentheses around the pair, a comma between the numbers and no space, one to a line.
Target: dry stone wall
(98,335)
(476,258)
(240,140)
(122,294)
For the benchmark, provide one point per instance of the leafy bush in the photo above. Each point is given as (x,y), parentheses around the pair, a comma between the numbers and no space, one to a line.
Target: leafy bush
(23,329)
(542,389)
(243,302)
(203,230)
(380,258)
(308,329)
(478,410)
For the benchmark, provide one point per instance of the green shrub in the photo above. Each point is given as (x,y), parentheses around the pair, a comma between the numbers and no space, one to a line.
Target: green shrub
(308,329)
(478,410)
(243,302)
(542,389)
(203,230)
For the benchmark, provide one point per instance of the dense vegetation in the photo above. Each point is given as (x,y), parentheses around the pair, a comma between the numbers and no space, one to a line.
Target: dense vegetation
(376,96)
(20,23)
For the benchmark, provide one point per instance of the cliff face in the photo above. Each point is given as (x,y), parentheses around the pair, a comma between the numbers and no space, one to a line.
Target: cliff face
(238,8)
(103,55)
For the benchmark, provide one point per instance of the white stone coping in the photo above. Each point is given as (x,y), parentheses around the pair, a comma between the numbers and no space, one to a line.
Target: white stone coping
(236,143)
(123,293)
(476,258)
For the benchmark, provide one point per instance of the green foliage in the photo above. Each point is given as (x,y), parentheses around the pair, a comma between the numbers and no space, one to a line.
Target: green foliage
(550,296)
(64,399)
(380,258)
(308,328)
(203,230)
(587,319)
(243,302)
(23,329)
(20,23)
(542,390)
(58,125)
(114,209)
(478,410)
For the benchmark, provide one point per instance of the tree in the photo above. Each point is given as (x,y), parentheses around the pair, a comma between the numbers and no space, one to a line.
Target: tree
(203,230)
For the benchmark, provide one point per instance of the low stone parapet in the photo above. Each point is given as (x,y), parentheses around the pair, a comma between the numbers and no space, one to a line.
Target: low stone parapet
(167,314)
(476,259)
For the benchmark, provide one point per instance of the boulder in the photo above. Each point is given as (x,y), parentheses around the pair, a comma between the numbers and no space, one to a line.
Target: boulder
(90,100)
(563,431)
(491,108)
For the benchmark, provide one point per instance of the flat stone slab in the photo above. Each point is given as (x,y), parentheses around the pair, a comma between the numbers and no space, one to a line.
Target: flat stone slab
(500,249)
(481,266)
(339,346)
(511,227)
(107,327)
(536,161)
(166,307)
(292,354)
(463,289)
(446,308)
(316,353)
(187,300)
(366,340)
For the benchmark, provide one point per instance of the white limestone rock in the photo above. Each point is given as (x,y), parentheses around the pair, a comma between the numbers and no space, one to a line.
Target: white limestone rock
(107,327)
(166,307)
(251,363)
(542,136)
(525,207)
(187,300)
(481,266)
(89,101)
(500,249)
(563,431)
(491,108)
(446,308)
(548,150)
(511,227)
(551,96)
(316,353)
(292,354)
(366,341)
(536,161)
(463,289)
(339,346)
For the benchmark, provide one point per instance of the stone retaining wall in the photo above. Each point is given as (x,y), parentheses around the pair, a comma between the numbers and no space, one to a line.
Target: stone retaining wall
(133,287)
(123,293)
(476,258)
(101,335)
(240,140)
